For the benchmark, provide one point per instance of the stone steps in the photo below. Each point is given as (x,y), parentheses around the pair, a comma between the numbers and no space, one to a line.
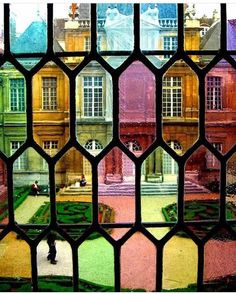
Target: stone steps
(128,189)
(76,191)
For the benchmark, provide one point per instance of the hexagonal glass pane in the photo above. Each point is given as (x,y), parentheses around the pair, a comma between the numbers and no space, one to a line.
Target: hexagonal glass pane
(96,265)
(116,187)
(180,266)
(3,193)
(180,105)
(94,101)
(137,108)
(158,187)
(31,189)
(220,106)
(25,28)
(1,30)
(54,262)
(115,27)
(202,26)
(220,262)
(158,27)
(73,178)
(13,109)
(201,189)
(72,28)
(15,264)
(138,269)
(51,108)
(201,60)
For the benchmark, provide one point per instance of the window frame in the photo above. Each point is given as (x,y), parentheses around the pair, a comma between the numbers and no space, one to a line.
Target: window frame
(170,99)
(102,98)
(51,101)
(19,108)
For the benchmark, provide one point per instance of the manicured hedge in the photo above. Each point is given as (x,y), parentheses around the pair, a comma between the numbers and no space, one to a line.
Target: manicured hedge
(70,212)
(199,210)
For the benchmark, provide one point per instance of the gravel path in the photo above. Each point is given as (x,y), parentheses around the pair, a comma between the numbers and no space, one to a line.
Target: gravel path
(138,254)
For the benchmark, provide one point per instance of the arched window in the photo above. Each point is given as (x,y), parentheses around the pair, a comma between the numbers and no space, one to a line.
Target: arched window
(133,145)
(169,164)
(93,145)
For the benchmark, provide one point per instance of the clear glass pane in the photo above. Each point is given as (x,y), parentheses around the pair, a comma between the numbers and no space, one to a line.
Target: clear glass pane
(54,260)
(202,26)
(94,101)
(180,107)
(158,27)
(72,29)
(159,187)
(74,191)
(26,27)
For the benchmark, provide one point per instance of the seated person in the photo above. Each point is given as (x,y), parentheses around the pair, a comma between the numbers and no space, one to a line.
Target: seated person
(35,188)
(82,181)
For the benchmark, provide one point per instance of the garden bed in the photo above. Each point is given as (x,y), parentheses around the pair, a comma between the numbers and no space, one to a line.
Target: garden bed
(71,212)
(195,210)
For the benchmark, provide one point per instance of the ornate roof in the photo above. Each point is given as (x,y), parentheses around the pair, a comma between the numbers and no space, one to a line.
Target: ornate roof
(165,10)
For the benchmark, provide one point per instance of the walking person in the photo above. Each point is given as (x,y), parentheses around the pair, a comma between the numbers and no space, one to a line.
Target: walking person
(51,240)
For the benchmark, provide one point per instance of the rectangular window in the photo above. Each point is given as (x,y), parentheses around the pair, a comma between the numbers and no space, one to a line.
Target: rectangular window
(172,97)
(93,96)
(214,93)
(87,44)
(17,94)
(49,93)
(50,147)
(170,43)
(212,161)
(20,163)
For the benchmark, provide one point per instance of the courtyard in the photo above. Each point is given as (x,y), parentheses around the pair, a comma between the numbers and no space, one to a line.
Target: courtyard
(137,253)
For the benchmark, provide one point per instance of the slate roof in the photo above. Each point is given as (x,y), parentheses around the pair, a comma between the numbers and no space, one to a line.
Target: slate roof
(211,40)
(34,39)
(165,10)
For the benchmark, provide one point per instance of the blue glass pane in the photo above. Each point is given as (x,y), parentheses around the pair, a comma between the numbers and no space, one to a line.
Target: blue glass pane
(117,22)
(26,28)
